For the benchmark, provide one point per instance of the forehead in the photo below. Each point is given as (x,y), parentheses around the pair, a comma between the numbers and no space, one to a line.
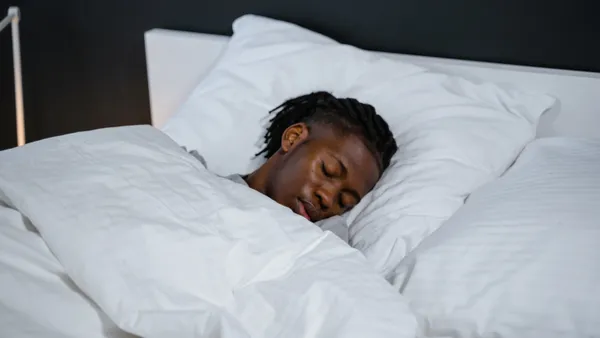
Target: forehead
(361,164)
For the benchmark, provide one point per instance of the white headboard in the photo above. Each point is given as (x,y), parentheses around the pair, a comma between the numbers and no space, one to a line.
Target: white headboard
(178,60)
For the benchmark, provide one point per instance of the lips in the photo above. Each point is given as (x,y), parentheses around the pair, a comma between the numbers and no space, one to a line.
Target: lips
(305,210)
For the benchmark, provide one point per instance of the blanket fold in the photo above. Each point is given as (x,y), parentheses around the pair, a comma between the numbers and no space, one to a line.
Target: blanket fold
(167,249)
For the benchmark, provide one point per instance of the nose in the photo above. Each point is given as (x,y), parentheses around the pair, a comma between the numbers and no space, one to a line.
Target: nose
(326,195)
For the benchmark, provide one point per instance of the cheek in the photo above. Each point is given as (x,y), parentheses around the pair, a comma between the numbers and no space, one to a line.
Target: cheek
(291,180)
(301,173)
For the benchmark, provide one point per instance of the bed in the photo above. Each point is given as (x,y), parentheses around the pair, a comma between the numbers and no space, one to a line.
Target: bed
(44,193)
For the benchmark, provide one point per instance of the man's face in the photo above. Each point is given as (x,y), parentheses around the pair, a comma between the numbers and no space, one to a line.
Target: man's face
(321,173)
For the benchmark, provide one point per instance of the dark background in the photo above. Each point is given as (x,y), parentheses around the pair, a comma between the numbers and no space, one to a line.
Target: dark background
(84,63)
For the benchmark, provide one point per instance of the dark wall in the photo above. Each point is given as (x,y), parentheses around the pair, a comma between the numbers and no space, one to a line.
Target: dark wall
(84,63)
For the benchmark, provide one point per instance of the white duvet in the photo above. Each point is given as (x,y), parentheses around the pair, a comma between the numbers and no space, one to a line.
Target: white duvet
(37,298)
(160,247)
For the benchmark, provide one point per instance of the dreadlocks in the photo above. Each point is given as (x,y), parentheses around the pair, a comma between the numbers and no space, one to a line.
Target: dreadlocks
(322,107)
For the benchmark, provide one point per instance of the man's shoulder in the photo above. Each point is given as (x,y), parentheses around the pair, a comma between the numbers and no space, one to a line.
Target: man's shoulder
(237,179)
(196,155)
(234,178)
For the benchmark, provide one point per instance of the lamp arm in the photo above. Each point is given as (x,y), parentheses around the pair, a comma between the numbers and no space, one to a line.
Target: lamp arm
(13,18)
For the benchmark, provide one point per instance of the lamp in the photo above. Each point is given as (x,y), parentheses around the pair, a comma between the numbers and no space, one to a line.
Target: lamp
(13,18)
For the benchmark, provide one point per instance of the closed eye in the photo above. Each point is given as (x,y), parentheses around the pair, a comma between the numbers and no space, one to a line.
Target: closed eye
(342,204)
(346,202)
(324,169)
(334,169)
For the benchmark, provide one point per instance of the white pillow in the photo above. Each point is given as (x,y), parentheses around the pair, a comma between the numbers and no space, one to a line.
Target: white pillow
(520,259)
(453,135)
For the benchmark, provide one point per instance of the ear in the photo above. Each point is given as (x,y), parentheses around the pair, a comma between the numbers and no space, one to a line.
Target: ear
(293,135)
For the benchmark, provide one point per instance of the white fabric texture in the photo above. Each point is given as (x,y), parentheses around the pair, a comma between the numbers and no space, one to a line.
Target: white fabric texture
(454,135)
(336,224)
(167,249)
(520,259)
(37,298)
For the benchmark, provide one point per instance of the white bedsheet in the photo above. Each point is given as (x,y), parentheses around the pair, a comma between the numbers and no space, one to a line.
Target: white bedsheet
(167,249)
(37,298)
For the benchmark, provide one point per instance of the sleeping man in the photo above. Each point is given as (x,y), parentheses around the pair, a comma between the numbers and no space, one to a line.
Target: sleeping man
(324,155)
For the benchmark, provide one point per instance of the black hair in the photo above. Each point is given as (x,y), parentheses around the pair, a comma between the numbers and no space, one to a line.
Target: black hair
(346,113)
